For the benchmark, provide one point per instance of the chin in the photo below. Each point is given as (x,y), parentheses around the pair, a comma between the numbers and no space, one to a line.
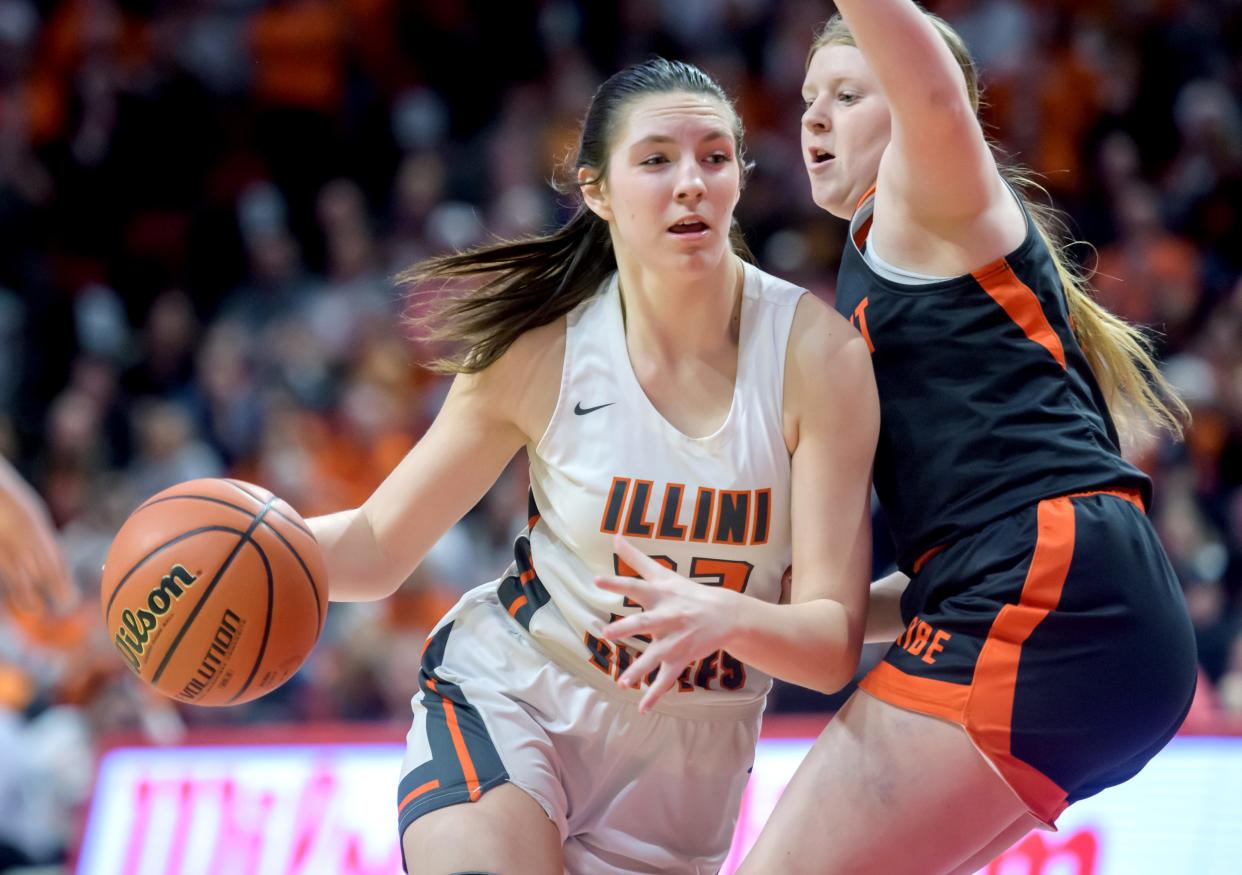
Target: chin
(698,261)
(827,202)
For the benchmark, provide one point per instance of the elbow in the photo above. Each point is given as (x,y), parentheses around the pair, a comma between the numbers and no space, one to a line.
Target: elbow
(357,568)
(836,679)
(839,667)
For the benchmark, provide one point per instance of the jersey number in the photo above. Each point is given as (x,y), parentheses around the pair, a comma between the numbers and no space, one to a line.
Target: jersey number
(712,572)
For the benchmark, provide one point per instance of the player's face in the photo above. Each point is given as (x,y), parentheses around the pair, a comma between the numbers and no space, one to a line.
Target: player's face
(673,181)
(845,128)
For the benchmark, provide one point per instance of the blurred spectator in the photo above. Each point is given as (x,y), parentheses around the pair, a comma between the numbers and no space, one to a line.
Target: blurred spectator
(167,450)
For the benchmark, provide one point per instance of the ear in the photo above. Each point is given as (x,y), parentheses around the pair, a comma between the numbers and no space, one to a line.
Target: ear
(594,194)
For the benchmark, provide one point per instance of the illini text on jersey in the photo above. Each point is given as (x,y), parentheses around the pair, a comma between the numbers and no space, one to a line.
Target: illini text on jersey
(738,518)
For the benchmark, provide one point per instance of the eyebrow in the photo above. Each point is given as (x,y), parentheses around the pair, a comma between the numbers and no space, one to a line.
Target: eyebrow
(716,134)
(832,85)
(835,81)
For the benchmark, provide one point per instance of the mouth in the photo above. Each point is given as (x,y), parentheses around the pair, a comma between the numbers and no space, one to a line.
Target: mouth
(816,155)
(690,226)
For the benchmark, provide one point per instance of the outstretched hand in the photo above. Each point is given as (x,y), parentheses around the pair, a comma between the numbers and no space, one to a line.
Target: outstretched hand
(33,573)
(685,620)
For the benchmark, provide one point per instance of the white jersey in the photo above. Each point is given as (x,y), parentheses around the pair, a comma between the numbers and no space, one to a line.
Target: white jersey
(715,508)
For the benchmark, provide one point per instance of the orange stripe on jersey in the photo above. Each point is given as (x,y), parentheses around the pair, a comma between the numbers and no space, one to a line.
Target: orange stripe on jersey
(530,523)
(526,576)
(459,745)
(517,605)
(927,557)
(862,200)
(925,695)
(996,672)
(860,236)
(416,792)
(1019,302)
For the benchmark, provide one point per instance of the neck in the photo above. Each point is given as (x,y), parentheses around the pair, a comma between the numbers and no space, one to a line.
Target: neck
(673,317)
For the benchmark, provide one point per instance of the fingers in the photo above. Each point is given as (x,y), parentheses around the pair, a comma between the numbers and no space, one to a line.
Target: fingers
(39,579)
(636,559)
(50,571)
(643,665)
(639,590)
(636,625)
(58,584)
(16,579)
(665,679)
(626,628)
(33,573)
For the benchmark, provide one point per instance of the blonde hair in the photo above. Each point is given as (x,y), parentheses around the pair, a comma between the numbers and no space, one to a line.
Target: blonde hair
(1120,354)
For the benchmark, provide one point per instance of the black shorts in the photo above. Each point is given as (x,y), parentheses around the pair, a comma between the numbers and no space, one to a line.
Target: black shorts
(1058,638)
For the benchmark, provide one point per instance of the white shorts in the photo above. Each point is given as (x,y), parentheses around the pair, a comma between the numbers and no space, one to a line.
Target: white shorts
(629,792)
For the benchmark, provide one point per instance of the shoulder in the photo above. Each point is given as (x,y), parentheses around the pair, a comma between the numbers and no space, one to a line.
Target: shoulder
(828,375)
(522,385)
(536,351)
(772,289)
(820,337)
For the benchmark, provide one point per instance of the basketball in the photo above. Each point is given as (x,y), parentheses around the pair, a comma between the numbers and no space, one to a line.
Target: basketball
(214,592)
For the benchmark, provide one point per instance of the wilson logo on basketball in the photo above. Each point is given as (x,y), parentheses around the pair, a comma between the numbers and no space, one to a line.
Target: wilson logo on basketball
(137,626)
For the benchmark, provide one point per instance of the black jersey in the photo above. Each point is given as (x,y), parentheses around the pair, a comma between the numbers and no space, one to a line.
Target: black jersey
(987,403)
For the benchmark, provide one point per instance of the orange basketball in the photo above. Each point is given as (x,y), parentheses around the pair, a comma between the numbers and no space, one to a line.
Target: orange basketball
(214,592)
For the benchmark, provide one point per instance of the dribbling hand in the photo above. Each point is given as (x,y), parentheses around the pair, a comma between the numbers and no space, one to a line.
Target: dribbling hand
(686,620)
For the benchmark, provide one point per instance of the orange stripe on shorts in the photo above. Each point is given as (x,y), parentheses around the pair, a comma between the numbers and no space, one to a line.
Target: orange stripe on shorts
(459,745)
(925,695)
(990,711)
(416,792)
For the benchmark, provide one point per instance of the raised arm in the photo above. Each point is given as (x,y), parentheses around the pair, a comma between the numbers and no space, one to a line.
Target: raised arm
(372,549)
(938,165)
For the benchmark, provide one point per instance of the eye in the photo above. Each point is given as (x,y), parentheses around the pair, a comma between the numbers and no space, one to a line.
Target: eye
(653,160)
(847,97)
(719,158)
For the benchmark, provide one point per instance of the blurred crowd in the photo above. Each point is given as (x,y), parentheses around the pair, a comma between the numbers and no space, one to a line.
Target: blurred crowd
(203,204)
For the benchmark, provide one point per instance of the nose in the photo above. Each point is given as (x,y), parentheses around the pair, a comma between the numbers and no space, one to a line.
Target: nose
(814,118)
(690,186)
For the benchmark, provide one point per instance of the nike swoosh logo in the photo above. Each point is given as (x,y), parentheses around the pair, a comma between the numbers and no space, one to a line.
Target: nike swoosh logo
(580,410)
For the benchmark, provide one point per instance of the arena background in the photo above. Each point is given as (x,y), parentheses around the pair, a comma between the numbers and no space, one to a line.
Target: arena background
(202,204)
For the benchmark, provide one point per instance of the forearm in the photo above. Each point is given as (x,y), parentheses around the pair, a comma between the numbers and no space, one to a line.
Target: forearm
(884,608)
(356,569)
(807,643)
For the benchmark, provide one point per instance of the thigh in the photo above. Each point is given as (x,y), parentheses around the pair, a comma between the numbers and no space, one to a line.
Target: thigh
(884,790)
(1007,838)
(655,793)
(472,730)
(505,831)
(1060,620)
